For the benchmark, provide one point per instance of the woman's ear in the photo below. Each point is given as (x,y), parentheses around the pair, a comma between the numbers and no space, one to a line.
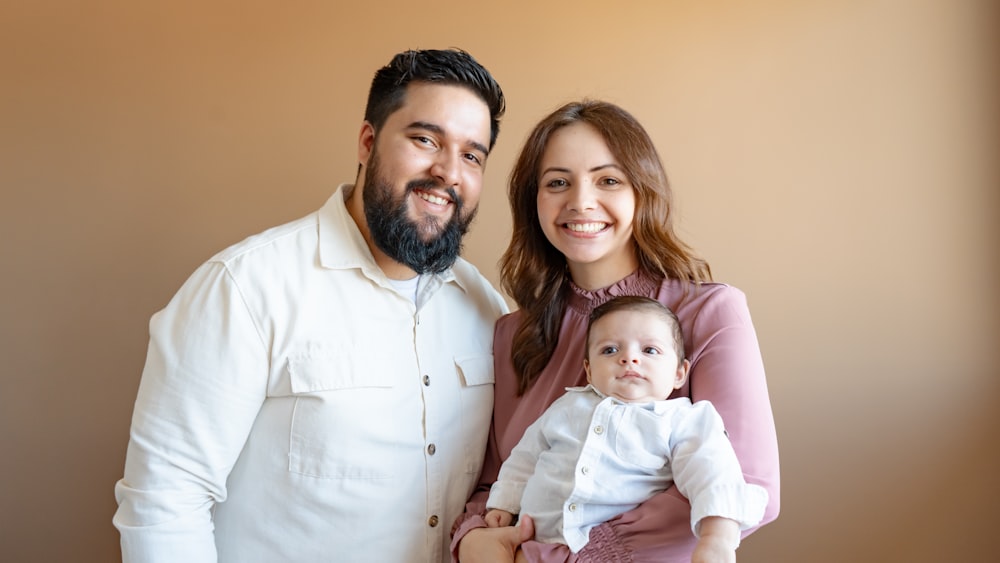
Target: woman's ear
(682,374)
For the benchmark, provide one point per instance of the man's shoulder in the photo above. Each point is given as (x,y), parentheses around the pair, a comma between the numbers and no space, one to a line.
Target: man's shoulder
(473,281)
(275,239)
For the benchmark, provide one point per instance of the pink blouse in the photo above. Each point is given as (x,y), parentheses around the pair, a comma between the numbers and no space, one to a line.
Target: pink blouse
(726,368)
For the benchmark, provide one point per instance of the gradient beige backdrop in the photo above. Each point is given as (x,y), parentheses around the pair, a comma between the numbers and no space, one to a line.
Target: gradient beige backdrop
(835,159)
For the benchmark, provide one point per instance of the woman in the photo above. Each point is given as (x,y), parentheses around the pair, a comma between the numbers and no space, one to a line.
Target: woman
(592,220)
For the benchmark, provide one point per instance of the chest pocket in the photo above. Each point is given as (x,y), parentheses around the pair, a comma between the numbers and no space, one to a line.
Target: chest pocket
(340,426)
(638,440)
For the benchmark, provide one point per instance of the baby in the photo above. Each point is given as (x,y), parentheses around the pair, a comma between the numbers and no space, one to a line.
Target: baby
(603,449)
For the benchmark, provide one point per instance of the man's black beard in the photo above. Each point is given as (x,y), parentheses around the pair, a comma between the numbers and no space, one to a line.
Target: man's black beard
(402,239)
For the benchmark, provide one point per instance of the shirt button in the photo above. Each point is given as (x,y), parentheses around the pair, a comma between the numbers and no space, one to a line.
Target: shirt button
(432,521)
(572,507)
(430,451)
(598,429)
(427,380)
(585,470)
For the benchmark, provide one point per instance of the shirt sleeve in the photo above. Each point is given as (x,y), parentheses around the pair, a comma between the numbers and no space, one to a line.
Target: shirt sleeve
(508,489)
(707,472)
(203,383)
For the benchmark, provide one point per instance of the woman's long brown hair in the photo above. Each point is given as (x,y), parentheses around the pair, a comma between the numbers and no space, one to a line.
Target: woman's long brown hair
(533,272)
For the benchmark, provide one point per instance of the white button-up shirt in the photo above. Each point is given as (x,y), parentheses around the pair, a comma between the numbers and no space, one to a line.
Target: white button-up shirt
(589,458)
(295,407)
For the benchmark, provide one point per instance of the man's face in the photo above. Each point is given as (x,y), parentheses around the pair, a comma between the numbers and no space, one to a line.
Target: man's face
(423,175)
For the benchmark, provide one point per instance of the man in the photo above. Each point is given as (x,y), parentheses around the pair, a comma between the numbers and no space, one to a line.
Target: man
(322,391)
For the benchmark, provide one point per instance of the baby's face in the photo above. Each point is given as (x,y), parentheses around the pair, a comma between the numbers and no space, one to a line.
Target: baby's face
(632,357)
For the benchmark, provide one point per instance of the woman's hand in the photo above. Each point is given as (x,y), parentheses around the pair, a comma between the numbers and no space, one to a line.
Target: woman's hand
(495,545)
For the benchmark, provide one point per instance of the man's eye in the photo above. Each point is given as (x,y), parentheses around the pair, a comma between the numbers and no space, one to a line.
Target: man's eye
(472,157)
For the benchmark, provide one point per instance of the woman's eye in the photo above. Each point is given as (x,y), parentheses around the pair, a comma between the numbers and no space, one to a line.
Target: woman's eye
(556,183)
(610,181)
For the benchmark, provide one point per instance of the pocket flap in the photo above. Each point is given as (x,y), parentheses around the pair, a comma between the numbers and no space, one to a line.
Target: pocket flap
(308,375)
(475,370)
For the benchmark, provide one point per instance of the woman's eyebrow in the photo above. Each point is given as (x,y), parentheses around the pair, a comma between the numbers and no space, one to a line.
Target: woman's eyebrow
(594,169)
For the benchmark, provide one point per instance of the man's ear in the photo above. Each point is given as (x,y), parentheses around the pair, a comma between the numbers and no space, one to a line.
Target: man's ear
(682,373)
(366,142)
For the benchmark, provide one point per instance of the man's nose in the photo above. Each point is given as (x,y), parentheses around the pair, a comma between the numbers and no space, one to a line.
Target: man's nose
(445,168)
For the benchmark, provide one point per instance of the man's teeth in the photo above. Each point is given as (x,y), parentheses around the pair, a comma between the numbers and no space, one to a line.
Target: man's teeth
(586,227)
(432,198)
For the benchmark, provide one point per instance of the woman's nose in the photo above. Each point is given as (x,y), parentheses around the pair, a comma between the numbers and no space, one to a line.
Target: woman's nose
(581,199)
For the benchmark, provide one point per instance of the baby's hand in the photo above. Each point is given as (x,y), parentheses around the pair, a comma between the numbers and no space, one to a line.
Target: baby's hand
(713,550)
(498,518)
(718,541)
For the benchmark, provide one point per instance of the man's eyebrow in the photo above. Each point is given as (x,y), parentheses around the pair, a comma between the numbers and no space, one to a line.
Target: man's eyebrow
(438,130)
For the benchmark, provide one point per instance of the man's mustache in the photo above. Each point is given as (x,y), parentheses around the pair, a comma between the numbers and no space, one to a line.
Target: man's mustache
(431,184)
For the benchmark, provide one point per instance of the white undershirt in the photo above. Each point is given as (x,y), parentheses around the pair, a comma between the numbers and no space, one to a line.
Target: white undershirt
(407,287)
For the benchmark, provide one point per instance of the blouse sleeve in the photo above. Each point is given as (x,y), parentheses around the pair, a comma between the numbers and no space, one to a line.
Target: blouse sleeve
(727,370)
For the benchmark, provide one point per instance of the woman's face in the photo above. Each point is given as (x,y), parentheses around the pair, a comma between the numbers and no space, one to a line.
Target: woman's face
(586,206)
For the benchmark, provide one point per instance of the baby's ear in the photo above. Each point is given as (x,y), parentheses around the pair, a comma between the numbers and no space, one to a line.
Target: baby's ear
(682,374)
(586,368)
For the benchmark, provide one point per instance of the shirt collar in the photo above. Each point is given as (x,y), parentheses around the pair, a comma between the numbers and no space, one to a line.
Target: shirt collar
(655,406)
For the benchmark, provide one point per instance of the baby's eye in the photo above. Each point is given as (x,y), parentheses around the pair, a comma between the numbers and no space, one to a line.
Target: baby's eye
(608,350)
(650,350)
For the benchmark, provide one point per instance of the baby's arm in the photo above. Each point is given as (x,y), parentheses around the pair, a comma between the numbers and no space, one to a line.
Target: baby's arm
(496,518)
(718,540)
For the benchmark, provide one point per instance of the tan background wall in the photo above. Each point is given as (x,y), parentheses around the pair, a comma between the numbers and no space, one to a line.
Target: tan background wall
(835,159)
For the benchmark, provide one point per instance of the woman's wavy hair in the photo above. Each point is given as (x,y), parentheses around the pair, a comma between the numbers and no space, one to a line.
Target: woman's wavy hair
(534,273)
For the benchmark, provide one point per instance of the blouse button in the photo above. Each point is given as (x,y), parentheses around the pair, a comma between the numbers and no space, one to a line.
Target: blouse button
(432,521)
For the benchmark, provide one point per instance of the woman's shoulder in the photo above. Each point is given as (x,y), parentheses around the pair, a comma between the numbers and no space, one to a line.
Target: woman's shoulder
(706,301)
(706,292)
(505,328)
(510,320)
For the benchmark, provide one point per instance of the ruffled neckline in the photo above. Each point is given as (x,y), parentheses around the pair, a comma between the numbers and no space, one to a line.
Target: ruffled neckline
(636,283)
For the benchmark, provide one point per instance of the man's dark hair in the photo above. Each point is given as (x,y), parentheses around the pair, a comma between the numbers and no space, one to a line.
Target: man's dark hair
(452,67)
